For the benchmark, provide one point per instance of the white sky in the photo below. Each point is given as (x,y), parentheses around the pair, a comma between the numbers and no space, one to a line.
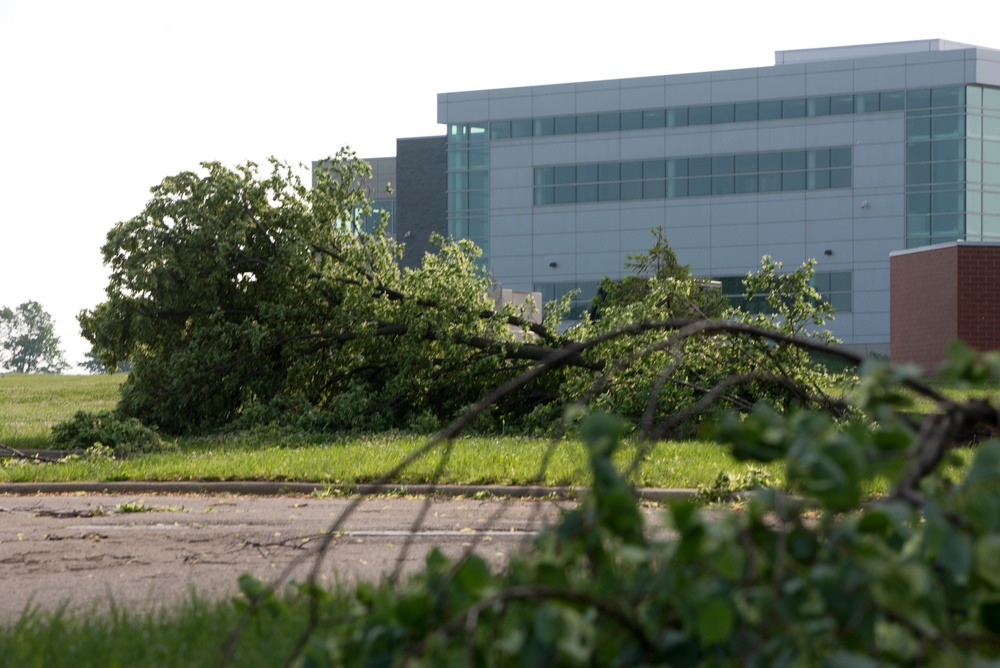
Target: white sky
(100,99)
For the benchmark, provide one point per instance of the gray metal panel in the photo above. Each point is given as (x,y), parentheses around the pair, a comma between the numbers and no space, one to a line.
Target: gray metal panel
(510,224)
(734,86)
(598,242)
(781,207)
(521,244)
(885,77)
(511,177)
(421,195)
(599,217)
(641,216)
(511,107)
(503,199)
(603,147)
(780,82)
(594,266)
(773,234)
(838,79)
(553,151)
(643,97)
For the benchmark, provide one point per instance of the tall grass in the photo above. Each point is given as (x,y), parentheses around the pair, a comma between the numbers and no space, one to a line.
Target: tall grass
(31,404)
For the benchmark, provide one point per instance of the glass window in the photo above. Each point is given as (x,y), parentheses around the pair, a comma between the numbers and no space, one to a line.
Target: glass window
(460,180)
(841,301)
(700,187)
(892,101)
(722,164)
(949,149)
(948,202)
(744,163)
(653,118)
(793,181)
(544,196)
(818,179)
(769,162)
(918,173)
(722,185)
(700,166)
(819,157)
(609,171)
(458,160)
(948,224)
(677,187)
(586,192)
(818,106)
(586,123)
(609,192)
(677,118)
(919,224)
(565,194)
(793,160)
(723,113)
(769,110)
(947,126)
(918,203)
(745,111)
(631,171)
(565,125)
(586,173)
(840,157)
(609,122)
(947,172)
(543,127)
(918,98)
(865,102)
(564,174)
(793,108)
(654,189)
(842,104)
(918,151)
(745,183)
(677,167)
(918,127)
(840,178)
(478,200)
(821,281)
(631,190)
(479,158)
(500,130)
(631,120)
(991,127)
(948,97)
(768,183)
(653,169)
(699,115)
(520,127)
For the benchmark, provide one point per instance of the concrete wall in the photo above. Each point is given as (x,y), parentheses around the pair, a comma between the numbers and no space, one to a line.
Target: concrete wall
(421,195)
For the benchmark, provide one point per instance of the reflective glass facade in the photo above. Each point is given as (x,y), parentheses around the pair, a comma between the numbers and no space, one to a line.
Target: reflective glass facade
(469,185)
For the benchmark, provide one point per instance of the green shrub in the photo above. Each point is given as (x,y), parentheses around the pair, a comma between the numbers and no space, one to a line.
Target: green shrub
(126,435)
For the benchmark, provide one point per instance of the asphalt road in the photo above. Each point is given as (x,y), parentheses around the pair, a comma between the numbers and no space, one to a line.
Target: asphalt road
(84,550)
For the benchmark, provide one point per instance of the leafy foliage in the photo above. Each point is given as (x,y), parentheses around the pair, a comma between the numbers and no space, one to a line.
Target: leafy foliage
(28,342)
(823,578)
(124,434)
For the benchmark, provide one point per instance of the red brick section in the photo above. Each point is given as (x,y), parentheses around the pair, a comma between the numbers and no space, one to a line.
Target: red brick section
(942,294)
(923,289)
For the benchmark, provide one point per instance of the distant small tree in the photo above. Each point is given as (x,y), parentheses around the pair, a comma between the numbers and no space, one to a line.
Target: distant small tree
(28,342)
(92,364)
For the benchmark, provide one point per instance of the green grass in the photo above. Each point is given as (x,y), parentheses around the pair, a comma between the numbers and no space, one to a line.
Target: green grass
(190,635)
(31,404)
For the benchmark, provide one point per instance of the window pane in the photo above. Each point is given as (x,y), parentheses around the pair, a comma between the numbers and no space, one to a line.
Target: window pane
(769,110)
(609,192)
(653,169)
(948,172)
(948,97)
(609,171)
(892,101)
(587,123)
(699,187)
(947,126)
(699,166)
(769,183)
(586,173)
(818,158)
(500,130)
(793,108)
(841,302)
(609,122)
(818,106)
(722,185)
(564,174)
(918,225)
(918,173)
(793,181)
(631,120)
(918,151)
(723,113)
(565,125)
(543,127)
(631,171)
(865,102)
(744,163)
(818,179)
(520,128)
(793,160)
(653,118)
(699,115)
(918,99)
(918,203)
(565,194)
(745,183)
(677,188)
(479,158)
(840,178)
(769,162)
(632,190)
(586,192)
(840,157)
(842,104)
(677,167)
(948,202)
(654,189)
(479,180)
(745,111)
(918,128)
(544,196)
(722,164)
(677,117)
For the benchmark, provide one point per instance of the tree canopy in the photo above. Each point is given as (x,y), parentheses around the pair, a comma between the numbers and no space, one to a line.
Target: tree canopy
(241,296)
(28,342)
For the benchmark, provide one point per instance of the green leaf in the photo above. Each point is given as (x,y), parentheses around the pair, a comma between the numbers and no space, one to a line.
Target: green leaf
(715,621)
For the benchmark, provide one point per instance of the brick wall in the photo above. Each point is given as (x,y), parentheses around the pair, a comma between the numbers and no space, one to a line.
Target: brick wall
(923,309)
(940,294)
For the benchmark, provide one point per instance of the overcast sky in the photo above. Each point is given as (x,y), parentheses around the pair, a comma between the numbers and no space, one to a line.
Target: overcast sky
(101,99)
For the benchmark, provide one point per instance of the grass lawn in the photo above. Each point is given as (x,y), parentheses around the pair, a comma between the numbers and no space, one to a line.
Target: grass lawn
(30,405)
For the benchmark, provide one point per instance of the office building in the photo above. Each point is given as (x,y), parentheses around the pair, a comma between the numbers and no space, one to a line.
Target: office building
(841,154)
